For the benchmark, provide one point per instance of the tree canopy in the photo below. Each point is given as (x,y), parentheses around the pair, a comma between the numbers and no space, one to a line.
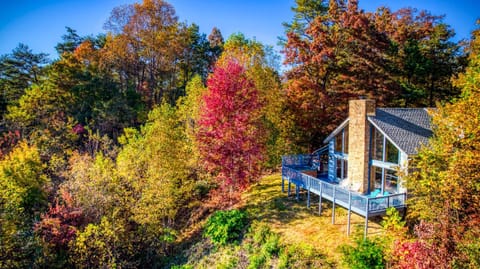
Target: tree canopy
(114,153)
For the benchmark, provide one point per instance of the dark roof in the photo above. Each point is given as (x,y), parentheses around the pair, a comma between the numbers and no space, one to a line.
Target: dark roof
(407,128)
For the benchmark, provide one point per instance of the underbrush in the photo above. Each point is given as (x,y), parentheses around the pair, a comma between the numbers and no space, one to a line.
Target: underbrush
(271,230)
(259,247)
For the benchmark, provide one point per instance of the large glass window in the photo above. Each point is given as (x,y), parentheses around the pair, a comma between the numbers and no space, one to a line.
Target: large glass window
(345,139)
(342,168)
(339,168)
(385,180)
(377,175)
(341,149)
(378,142)
(377,145)
(341,141)
(338,142)
(391,153)
(391,181)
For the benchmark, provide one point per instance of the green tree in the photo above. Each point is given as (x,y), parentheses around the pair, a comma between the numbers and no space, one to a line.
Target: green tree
(162,188)
(305,12)
(422,54)
(70,41)
(18,71)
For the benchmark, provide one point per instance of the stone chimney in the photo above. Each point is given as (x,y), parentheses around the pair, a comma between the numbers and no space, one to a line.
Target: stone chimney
(359,141)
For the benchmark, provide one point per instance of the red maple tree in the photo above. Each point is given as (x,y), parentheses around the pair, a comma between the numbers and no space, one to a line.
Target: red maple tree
(230,134)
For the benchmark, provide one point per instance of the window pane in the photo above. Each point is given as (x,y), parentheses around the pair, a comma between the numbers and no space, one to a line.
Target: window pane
(345,169)
(377,177)
(377,145)
(338,142)
(391,181)
(345,150)
(339,168)
(392,153)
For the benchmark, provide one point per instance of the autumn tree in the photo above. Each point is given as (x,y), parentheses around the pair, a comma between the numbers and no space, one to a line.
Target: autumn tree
(24,188)
(422,54)
(261,66)
(162,187)
(445,186)
(230,130)
(188,111)
(215,40)
(403,58)
(56,229)
(343,57)
(305,12)
(42,118)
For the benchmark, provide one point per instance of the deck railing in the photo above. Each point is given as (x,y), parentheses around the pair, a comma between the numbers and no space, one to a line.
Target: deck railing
(361,204)
(301,160)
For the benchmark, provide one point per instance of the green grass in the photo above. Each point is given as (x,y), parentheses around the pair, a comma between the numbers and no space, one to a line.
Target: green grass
(296,224)
(283,233)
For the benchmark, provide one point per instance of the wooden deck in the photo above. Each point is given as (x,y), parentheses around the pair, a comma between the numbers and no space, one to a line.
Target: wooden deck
(295,170)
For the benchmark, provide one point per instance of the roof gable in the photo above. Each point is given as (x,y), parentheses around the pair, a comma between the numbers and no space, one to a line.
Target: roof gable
(336,131)
(407,128)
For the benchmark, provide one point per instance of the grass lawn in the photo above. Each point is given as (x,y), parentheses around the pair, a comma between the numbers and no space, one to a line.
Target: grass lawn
(310,240)
(297,224)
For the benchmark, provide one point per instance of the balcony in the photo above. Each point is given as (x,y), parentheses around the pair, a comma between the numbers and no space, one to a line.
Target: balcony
(302,171)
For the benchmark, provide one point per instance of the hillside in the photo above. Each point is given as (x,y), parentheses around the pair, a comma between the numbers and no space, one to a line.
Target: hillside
(304,238)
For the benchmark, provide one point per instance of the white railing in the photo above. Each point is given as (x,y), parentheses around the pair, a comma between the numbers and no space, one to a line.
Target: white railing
(359,203)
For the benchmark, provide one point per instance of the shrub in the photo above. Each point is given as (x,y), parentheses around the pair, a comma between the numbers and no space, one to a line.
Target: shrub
(266,245)
(365,254)
(302,256)
(225,226)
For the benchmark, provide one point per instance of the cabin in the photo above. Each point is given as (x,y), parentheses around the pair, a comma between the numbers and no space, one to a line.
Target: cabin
(361,164)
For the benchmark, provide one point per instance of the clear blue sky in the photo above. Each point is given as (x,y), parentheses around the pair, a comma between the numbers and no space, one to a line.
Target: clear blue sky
(41,23)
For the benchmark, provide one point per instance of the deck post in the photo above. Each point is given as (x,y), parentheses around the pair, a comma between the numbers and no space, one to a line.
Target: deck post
(308,197)
(283,183)
(297,192)
(289,187)
(333,206)
(320,200)
(366,220)
(349,212)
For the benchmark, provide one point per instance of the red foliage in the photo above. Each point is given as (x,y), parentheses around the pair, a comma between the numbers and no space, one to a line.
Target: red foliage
(8,141)
(230,135)
(342,58)
(78,129)
(425,252)
(59,225)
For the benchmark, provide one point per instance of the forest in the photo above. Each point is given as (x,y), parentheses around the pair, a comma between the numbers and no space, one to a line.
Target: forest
(112,152)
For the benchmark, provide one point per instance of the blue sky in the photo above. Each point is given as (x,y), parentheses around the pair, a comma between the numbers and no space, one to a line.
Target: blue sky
(41,23)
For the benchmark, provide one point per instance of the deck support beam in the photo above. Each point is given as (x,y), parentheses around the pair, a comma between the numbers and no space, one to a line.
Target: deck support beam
(308,198)
(297,192)
(283,183)
(333,206)
(289,187)
(366,219)
(320,200)
(349,212)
